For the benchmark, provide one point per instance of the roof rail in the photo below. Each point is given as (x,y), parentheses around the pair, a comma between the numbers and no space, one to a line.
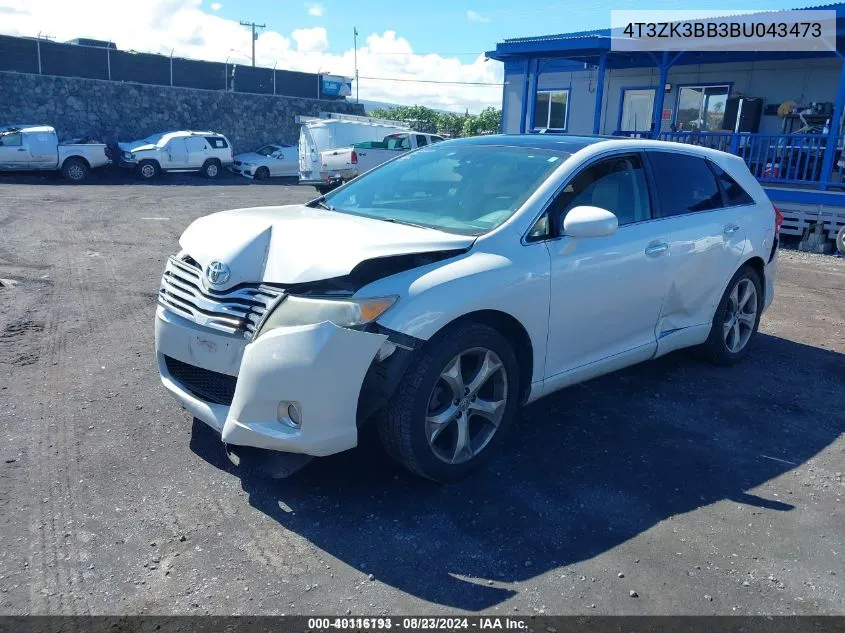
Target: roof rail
(363,119)
(336,116)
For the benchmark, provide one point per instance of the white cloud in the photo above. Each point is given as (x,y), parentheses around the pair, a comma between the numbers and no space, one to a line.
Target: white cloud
(317,10)
(161,25)
(216,6)
(310,40)
(475,16)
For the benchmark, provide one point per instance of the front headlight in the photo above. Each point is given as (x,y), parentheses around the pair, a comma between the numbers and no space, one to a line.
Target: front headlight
(345,312)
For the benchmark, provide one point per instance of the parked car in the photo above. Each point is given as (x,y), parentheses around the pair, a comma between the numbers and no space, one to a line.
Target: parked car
(342,165)
(205,152)
(267,161)
(317,136)
(26,147)
(438,292)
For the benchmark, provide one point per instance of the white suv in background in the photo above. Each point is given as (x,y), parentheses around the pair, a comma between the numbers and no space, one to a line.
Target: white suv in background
(438,292)
(205,152)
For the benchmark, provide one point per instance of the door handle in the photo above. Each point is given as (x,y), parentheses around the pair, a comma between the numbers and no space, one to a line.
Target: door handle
(730,229)
(21,149)
(657,249)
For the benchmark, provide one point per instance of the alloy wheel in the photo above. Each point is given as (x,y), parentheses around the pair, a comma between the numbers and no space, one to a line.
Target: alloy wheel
(740,315)
(466,405)
(75,172)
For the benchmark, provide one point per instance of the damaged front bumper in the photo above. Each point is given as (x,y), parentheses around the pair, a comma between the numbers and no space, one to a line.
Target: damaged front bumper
(321,368)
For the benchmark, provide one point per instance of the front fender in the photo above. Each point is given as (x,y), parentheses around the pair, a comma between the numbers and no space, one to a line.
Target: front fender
(432,297)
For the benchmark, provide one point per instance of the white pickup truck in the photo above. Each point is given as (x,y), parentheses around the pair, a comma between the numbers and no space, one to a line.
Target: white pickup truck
(24,147)
(343,164)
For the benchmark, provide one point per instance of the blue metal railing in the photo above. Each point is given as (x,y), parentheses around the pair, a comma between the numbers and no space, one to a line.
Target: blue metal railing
(774,158)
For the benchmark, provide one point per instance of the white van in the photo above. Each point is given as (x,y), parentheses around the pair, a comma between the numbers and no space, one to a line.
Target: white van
(320,134)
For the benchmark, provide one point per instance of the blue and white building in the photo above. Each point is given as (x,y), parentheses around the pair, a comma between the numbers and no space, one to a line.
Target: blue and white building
(574,83)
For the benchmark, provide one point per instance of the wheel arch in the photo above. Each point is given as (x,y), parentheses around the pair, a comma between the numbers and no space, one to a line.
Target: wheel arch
(756,262)
(517,336)
(75,157)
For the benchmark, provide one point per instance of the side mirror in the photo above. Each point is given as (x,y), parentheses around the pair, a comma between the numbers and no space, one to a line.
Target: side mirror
(589,222)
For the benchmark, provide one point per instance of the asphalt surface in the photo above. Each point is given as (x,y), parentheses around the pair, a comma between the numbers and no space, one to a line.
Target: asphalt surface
(670,487)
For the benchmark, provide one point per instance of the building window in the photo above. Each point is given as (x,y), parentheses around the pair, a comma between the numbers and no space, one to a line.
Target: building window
(551,110)
(701,108)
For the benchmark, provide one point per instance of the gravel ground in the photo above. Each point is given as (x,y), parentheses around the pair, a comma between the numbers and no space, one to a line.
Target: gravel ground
(670,487)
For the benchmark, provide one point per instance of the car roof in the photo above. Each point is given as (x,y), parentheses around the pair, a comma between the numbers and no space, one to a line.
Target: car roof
(27,128)
(564,143)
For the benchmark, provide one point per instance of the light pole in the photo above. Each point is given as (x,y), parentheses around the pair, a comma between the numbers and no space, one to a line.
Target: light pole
(274,77)
(226,74)
(355,48)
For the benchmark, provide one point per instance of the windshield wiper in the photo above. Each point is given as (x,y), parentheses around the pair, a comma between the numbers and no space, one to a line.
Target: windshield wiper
(321,202)
(406,223)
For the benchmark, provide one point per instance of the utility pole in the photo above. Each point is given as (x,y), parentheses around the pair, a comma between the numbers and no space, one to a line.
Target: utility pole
(355,39)
(254,26)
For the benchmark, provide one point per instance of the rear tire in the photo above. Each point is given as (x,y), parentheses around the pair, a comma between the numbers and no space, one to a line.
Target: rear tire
(324,189)
(736,320)
(211,168)
(438,433)
(262,173)
(75,170)
(148,169)
(840,240)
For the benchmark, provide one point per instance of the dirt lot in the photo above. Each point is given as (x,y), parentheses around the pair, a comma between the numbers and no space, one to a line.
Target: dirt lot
(702,490)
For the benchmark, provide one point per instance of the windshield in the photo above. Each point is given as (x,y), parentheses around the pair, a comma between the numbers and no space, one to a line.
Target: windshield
(152,140)
(459,188)
(267,150)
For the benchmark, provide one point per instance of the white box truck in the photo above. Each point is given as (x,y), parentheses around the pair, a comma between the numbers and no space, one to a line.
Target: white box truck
(333,131)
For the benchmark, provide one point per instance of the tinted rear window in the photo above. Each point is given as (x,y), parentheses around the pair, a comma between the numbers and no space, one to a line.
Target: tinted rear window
(216,142)
(735,195)
(685,184)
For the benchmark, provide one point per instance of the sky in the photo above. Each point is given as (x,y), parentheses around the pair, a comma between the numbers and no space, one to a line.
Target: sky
(430,41)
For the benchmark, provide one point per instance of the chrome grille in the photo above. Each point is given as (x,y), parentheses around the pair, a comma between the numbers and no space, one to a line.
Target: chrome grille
(237,310)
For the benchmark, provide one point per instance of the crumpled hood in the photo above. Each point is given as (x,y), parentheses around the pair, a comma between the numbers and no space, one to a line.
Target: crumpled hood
(297,244)
(248,157)
(136,146)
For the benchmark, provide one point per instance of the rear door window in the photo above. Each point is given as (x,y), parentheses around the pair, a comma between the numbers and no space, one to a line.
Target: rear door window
(735,195)
(421,140)
(398,141)
(684,184)
(195,144)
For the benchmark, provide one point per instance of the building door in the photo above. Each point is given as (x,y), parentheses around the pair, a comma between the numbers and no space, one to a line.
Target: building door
(637,109)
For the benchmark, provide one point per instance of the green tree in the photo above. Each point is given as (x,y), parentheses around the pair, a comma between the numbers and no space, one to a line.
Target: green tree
(449,124)
(487,122)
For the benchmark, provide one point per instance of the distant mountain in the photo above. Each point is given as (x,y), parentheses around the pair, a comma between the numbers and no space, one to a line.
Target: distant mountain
(372,105)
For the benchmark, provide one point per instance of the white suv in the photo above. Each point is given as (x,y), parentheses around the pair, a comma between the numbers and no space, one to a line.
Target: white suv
(205,152)
(438,292)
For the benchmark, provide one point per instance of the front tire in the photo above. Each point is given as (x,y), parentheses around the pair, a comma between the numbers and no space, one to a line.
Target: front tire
(211,169)
(736,320)
(262,173)
(148,169)
(75,170)
(454,404)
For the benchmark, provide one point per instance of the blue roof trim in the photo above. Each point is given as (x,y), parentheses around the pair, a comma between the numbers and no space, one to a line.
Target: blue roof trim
(593,42)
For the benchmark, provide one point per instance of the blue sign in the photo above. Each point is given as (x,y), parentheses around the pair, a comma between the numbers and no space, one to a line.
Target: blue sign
(333,86)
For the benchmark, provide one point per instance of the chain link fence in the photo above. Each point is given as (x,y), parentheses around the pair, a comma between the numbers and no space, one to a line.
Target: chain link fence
(39,56)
